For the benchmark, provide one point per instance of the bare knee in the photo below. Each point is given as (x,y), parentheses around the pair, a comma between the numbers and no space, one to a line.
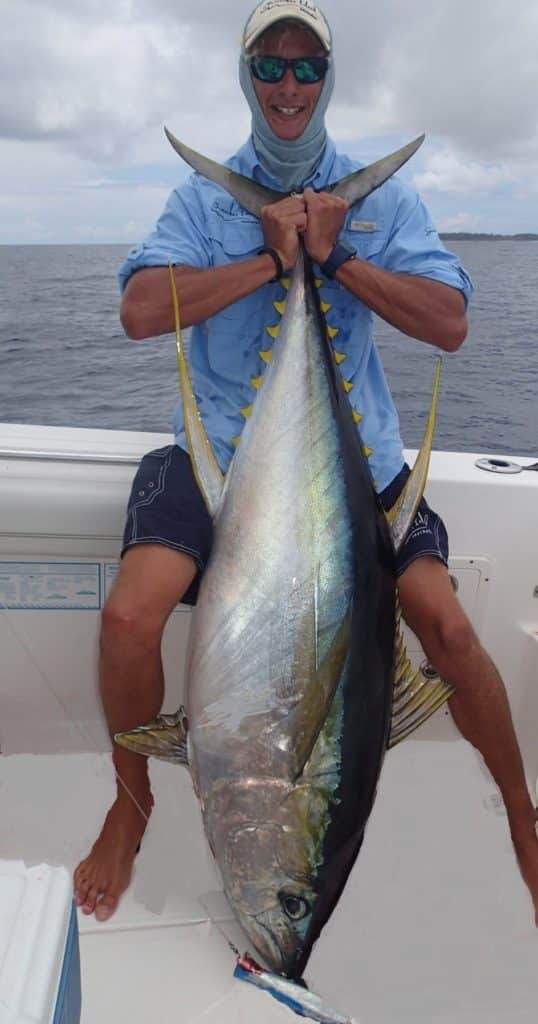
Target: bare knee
(125,621)
(448,638)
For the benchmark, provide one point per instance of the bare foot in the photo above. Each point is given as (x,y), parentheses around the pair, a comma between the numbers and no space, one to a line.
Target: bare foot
(105,874)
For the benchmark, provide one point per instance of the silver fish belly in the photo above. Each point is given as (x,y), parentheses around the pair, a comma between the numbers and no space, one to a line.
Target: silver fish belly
(271,646)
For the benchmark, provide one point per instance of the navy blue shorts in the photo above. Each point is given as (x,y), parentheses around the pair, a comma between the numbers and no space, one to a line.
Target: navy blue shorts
(166,507)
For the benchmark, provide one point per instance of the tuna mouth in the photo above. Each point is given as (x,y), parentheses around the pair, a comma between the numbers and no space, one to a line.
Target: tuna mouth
(288,962)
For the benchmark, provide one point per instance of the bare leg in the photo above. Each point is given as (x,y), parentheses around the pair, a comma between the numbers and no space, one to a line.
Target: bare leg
(479,706)
(151,581)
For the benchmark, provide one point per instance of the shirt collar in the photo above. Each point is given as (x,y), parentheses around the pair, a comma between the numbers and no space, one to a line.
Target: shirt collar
(246,162)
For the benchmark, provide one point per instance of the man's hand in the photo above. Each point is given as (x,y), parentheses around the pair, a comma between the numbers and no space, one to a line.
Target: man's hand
(325,218)
(282,223)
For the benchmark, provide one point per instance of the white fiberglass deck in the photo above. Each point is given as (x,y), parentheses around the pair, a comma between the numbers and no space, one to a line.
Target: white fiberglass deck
(435,925)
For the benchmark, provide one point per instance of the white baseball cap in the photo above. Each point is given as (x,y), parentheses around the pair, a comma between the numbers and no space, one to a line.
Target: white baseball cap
(271,11)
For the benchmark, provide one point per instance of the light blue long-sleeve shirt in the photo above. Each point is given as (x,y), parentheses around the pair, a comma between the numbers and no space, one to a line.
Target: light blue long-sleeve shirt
(202,226)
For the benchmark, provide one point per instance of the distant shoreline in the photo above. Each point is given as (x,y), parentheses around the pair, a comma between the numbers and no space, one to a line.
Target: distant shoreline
(449,236)
(479,236)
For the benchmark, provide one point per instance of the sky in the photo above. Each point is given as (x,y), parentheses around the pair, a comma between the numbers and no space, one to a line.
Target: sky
(85,89)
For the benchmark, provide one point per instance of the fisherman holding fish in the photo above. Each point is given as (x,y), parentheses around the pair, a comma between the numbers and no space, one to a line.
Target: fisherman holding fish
(383,256)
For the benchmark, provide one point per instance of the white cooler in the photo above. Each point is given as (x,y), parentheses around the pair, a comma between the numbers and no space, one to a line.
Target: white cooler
(39,954)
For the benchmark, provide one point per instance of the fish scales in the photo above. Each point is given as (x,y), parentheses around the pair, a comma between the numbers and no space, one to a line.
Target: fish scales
(291,666)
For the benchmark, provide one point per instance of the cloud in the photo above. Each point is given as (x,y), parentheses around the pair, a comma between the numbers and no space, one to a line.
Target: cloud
(85,90)
(446,171)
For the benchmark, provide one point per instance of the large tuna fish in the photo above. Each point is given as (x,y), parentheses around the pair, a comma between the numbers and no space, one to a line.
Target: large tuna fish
(296,678)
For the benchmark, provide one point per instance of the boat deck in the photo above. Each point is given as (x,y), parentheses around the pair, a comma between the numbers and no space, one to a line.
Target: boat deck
(435,926)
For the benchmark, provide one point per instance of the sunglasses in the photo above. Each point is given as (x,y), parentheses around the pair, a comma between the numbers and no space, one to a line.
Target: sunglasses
(307,70)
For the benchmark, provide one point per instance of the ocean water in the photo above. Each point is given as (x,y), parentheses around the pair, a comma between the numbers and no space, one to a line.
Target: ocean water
(64,359)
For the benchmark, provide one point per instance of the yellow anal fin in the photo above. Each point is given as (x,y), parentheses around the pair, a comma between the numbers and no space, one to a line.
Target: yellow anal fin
(404,510)
(207,471)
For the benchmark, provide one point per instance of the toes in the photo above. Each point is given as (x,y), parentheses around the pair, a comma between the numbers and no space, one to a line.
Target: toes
(88,906)
(106,907)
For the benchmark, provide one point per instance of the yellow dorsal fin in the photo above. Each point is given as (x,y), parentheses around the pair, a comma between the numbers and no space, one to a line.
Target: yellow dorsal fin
(332,332)
(266,355)
(273,331)
(256,382)
(339,357)
(246,411)
(280,306)
(357,416)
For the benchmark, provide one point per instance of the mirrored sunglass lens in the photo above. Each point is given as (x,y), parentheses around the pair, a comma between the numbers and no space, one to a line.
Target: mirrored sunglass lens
(269,69)
(310,70)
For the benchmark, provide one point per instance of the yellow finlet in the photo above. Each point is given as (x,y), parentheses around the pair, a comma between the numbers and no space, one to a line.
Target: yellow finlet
(266,354)
(285,282)
(280,307)
(236,440)
(357,416)
(367,451)
(256,382)
(339,357)
(318,281)
(332,332)
(348,386)
(273,332)
(247,410)
(325,306)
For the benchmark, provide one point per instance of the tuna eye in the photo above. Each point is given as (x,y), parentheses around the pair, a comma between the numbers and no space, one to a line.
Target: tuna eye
(294,906)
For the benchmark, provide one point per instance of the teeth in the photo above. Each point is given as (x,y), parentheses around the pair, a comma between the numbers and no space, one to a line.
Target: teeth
(288,110)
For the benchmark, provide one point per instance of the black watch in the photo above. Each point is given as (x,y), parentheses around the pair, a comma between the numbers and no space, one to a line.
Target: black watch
(340,254)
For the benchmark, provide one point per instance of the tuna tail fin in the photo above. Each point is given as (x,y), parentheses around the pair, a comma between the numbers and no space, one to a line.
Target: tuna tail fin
(207,471)
(359,184)
(252,196)
(405,508)
(248,193)
(416,694)
(165,738)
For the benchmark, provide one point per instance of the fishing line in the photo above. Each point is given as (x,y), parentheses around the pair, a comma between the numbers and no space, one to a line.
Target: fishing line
(83,733)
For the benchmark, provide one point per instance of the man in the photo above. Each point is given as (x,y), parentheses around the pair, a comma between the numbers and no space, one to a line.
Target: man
(383,255)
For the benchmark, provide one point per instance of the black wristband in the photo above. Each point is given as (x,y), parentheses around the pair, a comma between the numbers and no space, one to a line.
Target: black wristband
(277,261)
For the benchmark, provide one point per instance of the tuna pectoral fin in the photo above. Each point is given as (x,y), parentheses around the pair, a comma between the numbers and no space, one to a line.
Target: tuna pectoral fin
(306,720)
(416,695)
(207,471)
(404,510)
(165,738)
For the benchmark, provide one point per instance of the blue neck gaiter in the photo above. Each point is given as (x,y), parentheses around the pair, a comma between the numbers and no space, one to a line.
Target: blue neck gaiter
(289,163)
